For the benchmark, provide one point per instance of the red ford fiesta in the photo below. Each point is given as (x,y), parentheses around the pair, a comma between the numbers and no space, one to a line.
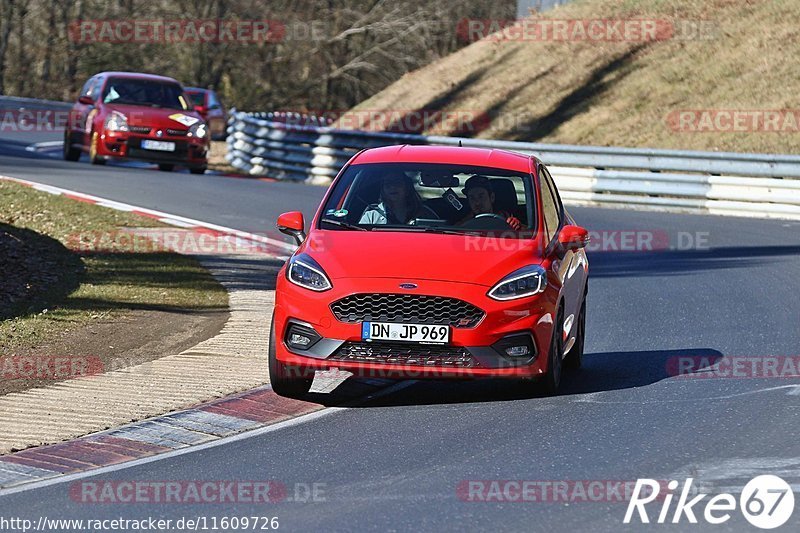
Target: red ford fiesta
(432,262)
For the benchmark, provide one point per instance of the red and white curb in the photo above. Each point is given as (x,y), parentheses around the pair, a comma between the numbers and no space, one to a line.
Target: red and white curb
(199,427)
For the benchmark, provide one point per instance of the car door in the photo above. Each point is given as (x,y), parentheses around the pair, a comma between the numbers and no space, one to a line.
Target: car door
(88,111)
(78,114)
(570,271)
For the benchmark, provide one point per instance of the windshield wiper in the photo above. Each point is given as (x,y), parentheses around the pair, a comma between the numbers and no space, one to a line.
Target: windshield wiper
(425,229)
(343,224)
(451,231)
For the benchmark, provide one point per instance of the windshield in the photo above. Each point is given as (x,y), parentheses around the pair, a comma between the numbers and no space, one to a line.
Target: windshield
(197,97)
(145,93)
(434,198)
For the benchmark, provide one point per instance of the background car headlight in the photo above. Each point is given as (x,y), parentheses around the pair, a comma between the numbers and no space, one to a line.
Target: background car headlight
(199,130)
(307,273)
(116,121)
(526,281)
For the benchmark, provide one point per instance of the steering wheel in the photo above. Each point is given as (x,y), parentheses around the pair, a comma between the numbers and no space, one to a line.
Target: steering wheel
(493,215)
(487,221)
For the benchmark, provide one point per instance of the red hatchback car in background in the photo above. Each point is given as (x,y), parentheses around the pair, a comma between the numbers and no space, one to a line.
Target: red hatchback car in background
(125,115)
(206,102)
(432,262)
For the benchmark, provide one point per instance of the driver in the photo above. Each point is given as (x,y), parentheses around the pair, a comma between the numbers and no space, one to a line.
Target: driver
(480,195)
(399,203)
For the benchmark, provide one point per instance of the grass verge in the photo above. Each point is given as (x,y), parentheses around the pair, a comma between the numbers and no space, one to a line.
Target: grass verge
(72,289)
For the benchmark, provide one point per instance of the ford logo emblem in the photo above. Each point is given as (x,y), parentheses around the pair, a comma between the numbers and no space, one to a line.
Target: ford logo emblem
(408,286)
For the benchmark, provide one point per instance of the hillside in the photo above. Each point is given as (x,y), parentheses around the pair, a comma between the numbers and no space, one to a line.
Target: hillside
(628,93)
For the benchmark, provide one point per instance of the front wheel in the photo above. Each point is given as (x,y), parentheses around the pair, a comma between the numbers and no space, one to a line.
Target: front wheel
(93,157)
(198,170)
(574,358)
(552,378)
(280,376)
(70,153)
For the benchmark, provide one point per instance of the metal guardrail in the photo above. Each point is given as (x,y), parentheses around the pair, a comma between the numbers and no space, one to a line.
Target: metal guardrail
(293,147)
(18,103)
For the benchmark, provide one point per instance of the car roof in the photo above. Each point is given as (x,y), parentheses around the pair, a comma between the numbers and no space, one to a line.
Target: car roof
(138,76)
(197,90)
(482,157)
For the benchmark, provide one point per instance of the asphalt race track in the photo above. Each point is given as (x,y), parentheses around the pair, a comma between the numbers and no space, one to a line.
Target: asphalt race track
(397,462)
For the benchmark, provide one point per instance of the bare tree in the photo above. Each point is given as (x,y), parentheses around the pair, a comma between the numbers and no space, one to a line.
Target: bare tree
(6,16)
(332,55)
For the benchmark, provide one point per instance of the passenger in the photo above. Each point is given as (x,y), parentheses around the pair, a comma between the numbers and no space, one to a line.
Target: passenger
(399,203)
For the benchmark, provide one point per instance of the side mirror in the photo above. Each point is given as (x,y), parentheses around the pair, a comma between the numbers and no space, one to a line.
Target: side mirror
(85,100)
(292,223)
(200,109)
(573,237)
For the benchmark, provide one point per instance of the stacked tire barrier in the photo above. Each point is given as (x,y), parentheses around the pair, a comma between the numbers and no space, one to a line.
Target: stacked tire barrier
(760,185)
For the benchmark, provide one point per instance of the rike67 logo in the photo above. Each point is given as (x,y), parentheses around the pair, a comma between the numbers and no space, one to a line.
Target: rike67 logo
(767,502)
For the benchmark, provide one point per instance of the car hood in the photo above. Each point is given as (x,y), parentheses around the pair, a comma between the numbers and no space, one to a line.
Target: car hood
(157,117)
(409,256)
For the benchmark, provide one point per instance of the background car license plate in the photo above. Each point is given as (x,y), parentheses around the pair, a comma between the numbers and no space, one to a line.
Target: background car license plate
(424,333)
(161,146)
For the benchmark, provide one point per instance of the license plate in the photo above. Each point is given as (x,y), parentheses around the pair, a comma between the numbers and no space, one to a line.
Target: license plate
(161,146)
(422,333)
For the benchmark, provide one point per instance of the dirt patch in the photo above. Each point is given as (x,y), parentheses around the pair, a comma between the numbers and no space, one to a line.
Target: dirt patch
(130,340)
(70,310)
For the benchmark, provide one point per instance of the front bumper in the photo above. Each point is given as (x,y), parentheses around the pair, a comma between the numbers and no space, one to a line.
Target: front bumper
(472,352)
(126,145)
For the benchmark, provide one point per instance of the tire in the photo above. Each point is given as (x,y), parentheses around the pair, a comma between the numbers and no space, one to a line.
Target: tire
(166,167)
(280,376)
(198,170)
(574,358)
(93,157)
(70,153)
(552,378)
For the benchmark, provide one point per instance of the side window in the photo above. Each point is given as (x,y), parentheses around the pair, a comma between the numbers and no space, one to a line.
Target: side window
(212,100)
(552,184)
(86,90)
(550,206)
(94,88)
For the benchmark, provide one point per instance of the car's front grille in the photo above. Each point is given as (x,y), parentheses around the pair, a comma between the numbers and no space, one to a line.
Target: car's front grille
(407,308)
(404,354)
(177,133)
(140,129)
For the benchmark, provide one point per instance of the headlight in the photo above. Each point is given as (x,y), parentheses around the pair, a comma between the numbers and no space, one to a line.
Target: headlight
(526,281)
(307,273)
(116,121)
(199,130)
